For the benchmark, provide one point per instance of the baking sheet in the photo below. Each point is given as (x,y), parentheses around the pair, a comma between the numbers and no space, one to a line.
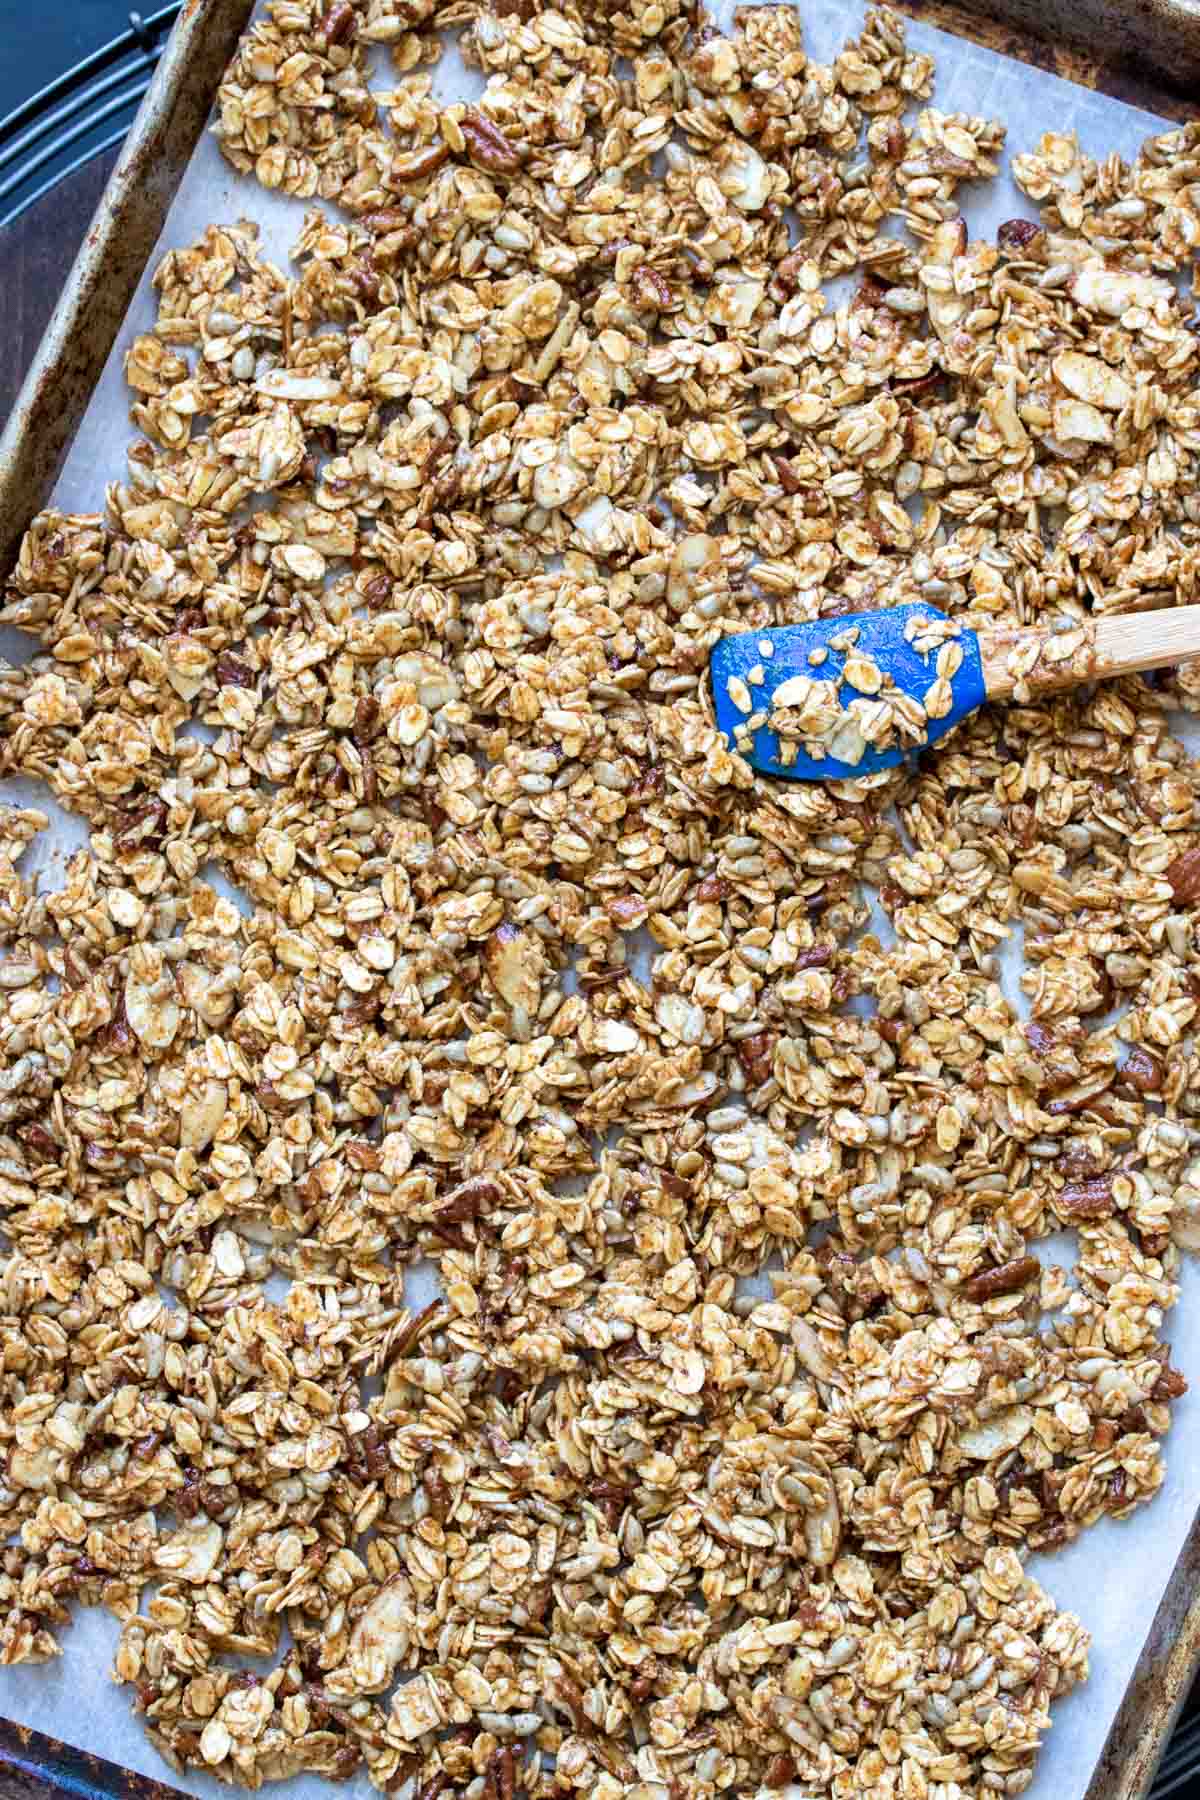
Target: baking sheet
(1115,1575)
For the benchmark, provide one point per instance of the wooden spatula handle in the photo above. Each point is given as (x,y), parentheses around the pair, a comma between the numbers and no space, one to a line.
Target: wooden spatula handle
(1025,661)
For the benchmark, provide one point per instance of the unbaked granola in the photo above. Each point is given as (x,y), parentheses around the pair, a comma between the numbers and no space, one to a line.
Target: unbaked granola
(399,622)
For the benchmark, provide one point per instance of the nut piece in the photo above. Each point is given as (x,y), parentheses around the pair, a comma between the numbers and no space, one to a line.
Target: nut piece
(151,1007)
(1184,876)
(1092,1199)
(191,1553)
(1090,379)
(514,963)
(381,1636)
(1075,419)
(1108,291)
(997,1435)
(1005,1278)
(201,1114)
(487,145)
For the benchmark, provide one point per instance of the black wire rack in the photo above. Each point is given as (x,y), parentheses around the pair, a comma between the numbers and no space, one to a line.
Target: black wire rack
(81,114)
(86,111)
(1180,1766)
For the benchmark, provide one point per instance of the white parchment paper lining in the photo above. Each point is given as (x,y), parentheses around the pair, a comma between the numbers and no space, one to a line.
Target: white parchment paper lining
(1115,1575)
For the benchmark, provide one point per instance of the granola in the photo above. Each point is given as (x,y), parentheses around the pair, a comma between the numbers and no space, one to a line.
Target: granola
(714,1465)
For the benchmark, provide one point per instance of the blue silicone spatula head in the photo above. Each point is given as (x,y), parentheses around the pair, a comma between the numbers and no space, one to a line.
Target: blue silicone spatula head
(847,696)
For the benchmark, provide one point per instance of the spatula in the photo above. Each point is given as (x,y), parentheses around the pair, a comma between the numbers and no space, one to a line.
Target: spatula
(847,696)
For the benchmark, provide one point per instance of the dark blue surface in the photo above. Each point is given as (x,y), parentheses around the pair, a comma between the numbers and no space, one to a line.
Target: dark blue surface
(41,40)
(54,118)
(881,637)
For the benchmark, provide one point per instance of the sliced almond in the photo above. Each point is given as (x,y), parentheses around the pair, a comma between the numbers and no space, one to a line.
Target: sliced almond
(1114,291)
(1091,379)
(1076,419)
(1004,1431)
(514,962)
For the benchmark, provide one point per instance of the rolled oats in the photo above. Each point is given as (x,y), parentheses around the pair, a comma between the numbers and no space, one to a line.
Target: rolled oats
(432,538)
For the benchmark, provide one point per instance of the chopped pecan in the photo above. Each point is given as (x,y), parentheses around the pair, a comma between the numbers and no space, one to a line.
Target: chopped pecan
(487,145)
(440,448)
(40,1141)
(1016,235)
(652,290)
(233,673)
(120,1035)
(612,1499)
(713,888)
(143,824)
(388,219)
(1184,876)
(1077,1162)
(1143,1071)
(789,481)
(469,1200)
(787,269)
(362,1155)
(895,140)
(438,1490)
(945,162)
(502,1772)
(649,783)
(757,1056)
(375,1461)
(1005,1278)
(642,1685)
(338,24)
(365,278)
(1172,1382)
(592,979)
(417,165)
(1092,1199)
(366,720)
(417,1326)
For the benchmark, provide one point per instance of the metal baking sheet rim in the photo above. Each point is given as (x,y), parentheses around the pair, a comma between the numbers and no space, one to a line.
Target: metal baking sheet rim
(1149,54)
(111,260)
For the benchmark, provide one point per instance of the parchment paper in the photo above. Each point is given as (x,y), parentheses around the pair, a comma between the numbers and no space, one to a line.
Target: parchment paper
(1115,1575)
